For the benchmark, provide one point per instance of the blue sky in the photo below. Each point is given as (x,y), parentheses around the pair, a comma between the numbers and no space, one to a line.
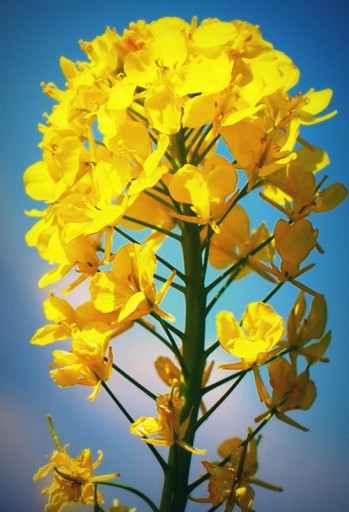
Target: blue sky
(312,467)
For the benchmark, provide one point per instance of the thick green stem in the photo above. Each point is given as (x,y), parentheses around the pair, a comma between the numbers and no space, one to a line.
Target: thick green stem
(174,497)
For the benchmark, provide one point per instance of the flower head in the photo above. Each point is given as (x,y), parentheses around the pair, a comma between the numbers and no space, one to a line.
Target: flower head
(290,390)
(85,363)
(206,191)
(253,342)
(235,241)
(129,286)
(73,479)
(231,482)
(168,426)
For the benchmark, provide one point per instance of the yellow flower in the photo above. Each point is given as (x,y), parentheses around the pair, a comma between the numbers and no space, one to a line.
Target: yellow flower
(290,391)
(230,483)
(258,154)
(294,191)
(85,364)
(151,211)
(63,314)
(152,168)
(61,165)
(170,374)
(223,485)
(205,191)
(102,52)
(49,238)
(167,426)
(129,286)
(66,318)
(73,479)
(80,253)
(294,243)
(265,143)
(301,330)
(235,241)
(220,484)
(256,340)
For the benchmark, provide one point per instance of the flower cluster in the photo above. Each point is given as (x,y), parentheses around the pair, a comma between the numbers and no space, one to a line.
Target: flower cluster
(73,479)
(158,136)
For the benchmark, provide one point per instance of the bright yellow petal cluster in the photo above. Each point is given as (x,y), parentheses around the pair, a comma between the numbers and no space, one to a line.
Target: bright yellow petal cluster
(290,391)
(301,330)
(231,483)
(255,340)
(206,191)
(235,242)
(223,485)
(293,242)
(65,318)
(265,143)
(85,364)
(129,287)
(73,479)
(296,193)
(168,426)
(135,130)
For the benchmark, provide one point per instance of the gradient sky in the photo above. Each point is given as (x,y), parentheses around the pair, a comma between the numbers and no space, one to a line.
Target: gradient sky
(312,467)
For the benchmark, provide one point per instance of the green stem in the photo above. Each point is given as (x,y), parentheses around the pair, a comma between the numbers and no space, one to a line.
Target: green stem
(96,506)
(134,382)
(155,333)
(218,383)
(219,402)
(236,267)
(173,285)
(156,197)
(169,327)
(54,434)
(200,157)
(161,260)
(174,346)
(152,226)
(223,288)
(117,402)
(194,156)
(174,497)
(134,491)
(273,291)
(131,420)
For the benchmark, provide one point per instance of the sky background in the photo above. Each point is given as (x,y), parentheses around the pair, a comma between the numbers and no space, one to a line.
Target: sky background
(312,467)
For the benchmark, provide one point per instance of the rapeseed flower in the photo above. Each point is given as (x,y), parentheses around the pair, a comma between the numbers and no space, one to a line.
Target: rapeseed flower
(86,363)
(235,241)
(255,341)
(129,288)
(73,479)
(168,426)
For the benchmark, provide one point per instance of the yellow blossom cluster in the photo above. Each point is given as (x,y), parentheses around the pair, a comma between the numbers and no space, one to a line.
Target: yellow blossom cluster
(159,134)
(73,479)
